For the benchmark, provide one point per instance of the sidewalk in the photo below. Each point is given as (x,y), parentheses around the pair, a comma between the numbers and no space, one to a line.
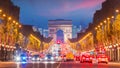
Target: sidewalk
(6,61)
(118,62)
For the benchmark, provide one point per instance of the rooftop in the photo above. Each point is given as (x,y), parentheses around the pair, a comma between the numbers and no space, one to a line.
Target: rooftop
(60,22)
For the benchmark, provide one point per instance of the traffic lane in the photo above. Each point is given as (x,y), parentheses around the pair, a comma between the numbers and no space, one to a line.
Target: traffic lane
(88,65)
(29,65)
(57,65)
(40,65)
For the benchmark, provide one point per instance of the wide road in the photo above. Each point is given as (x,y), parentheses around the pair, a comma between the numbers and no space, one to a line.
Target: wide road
(57,65)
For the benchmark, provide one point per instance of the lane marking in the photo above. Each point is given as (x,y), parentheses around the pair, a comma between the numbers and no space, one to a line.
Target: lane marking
(59,65)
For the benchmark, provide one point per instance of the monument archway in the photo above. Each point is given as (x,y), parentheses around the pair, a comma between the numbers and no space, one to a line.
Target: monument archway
(60,36)
(56,25)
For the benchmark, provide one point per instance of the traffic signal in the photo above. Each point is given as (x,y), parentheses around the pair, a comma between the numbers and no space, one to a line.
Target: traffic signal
(58,42)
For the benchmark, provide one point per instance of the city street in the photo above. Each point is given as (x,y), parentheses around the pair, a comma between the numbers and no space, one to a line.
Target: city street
(59,33)
(58,65)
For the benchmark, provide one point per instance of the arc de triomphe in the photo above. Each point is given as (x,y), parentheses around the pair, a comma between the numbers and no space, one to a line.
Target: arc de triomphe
(64,25)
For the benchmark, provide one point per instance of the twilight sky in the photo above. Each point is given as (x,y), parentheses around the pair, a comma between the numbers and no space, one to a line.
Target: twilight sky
(38,12)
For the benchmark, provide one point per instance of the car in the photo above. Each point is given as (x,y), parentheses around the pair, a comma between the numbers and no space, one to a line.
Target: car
(94,59)
(58,59)
(86,58)
(77,58)
(36,58)
(102,58)
(24,57)
(49,57)
(21,58)
(63,57)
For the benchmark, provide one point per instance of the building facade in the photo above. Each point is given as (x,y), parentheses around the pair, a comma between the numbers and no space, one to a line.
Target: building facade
(103,35)
(10,9)
(45,33)
(9,29)
(75,30)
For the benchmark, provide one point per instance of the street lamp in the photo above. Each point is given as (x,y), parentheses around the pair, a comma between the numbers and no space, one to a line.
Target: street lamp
(13,21)
(112,17)
(108,18)
(20,26)
(117,10)
(9,18)
(96,28)
(16,23)
(4,15)
(0,10)
(105,21)
(101,23)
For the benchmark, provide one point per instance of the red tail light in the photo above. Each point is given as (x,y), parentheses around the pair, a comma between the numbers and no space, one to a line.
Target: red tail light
(90,57)
(83,57)
(99,58)
(106,58)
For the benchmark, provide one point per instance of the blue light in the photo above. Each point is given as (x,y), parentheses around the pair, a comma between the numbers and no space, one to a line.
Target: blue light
(24,58)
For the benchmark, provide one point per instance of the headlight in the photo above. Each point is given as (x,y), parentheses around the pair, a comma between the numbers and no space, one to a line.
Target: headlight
(52,58)
(33,58)
(38,58)
(56,57)
(17,58)
(46,58)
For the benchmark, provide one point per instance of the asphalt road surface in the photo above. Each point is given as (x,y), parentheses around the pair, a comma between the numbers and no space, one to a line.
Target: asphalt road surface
(57,65)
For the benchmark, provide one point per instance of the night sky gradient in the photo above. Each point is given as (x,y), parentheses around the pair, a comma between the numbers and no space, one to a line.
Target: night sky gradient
(38,12)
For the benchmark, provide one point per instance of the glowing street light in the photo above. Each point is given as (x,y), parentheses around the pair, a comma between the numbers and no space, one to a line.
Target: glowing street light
(16,23)
(9,18)
(20,26)
(117,10)
(0,10)
(101,23)
(95,28)
(105,21)
(4,15)
(108,18)
(112,17)
(13,21)
(99,26)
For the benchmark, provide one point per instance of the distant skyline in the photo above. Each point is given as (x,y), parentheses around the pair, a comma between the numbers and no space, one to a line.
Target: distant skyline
(38,12)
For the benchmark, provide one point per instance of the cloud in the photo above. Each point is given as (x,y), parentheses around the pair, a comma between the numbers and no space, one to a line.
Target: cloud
(48,8)
(76,10)
(70,6)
